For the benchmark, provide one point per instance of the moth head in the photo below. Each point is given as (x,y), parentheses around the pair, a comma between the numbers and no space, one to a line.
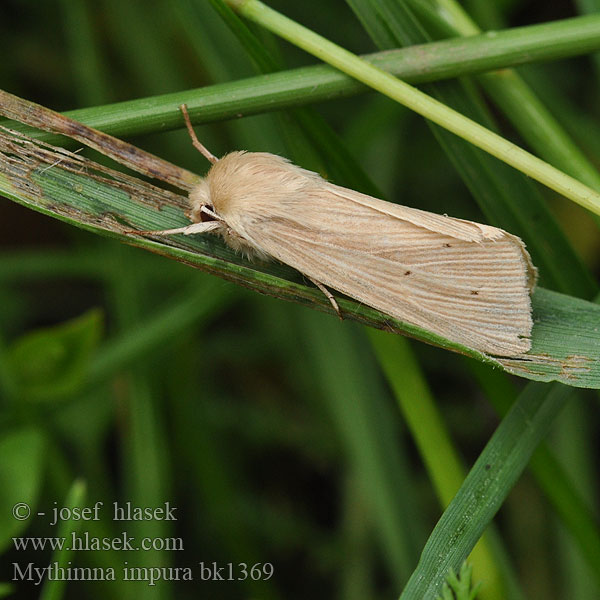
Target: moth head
(202,209)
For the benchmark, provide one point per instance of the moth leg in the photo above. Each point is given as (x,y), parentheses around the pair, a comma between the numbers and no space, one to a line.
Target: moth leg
(328,295)
(195,141)
(187,230)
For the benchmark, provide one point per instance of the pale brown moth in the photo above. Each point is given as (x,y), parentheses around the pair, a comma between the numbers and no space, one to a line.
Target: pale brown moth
(464,281)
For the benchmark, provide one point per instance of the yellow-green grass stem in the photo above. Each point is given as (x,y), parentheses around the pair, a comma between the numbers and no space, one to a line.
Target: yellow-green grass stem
(419,102)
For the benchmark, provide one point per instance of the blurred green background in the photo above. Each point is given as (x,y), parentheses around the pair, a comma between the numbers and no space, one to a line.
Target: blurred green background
(270,427)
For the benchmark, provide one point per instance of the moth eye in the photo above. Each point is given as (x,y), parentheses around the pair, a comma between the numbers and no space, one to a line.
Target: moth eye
(205,217)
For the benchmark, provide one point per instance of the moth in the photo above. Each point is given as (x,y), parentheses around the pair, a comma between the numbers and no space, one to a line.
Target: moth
(465,281)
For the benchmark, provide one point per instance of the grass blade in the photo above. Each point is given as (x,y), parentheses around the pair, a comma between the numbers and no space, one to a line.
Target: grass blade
(308,85)
(107,202)
(485,488)
(421,103)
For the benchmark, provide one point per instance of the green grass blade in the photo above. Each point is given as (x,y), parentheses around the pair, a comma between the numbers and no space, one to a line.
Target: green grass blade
(309,138)
(87,64)
(364,423)
(144,462)
(22,462)
(219,481)
(579,520)
(307,85)
(431,437)
(108,207)
(356,581)
(256,51)
(507,198)
(557,484)
(143,46)
(552,311)
(526,111)
(172,321)
(421,103)
(592,7)
(485,488)
(54,588)
(239,406)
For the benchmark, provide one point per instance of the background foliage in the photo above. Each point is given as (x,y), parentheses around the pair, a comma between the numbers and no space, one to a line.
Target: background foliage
(279,434)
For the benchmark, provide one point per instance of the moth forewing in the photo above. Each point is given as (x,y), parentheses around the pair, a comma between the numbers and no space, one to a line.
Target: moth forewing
(464,281)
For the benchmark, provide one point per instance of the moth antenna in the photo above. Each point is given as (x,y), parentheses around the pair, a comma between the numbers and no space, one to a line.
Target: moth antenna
(328,295)
(195,141)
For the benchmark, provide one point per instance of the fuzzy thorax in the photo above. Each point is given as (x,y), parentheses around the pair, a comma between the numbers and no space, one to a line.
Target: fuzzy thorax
(240,183)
